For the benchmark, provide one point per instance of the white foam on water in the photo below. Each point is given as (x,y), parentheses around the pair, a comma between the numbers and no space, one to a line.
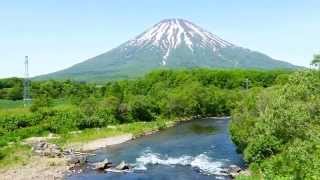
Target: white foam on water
(202,162)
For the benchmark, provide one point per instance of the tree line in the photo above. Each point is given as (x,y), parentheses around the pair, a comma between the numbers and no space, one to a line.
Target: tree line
(63,106)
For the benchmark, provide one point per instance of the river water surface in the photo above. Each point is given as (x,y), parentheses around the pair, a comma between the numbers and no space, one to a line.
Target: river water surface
(197,149)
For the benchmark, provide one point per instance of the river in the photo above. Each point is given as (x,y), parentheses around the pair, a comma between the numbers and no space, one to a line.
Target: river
(197,149)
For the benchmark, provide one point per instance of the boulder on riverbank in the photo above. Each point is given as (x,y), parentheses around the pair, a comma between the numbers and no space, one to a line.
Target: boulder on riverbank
(74,159)
(44,148)
(234,171)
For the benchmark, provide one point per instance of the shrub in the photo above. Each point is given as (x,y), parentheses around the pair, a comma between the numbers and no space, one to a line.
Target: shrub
(108,116)
(89,106)
(142,109)
(62,121)
(90,122)
(261,148)
(40,102)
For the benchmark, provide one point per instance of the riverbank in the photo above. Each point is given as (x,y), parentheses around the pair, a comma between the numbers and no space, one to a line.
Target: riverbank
(32,166)
(41,168)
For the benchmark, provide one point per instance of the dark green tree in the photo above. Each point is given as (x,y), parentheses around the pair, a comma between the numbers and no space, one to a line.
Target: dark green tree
(15,93)
(316,61)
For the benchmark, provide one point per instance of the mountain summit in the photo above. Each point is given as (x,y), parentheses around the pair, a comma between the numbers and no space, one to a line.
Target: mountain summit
(169,34)
(171,43)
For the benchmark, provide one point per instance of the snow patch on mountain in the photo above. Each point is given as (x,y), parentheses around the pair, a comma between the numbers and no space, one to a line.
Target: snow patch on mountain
(171,33)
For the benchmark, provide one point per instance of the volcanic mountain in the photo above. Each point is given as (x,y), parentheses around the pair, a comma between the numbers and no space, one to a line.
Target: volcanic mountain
(172,43)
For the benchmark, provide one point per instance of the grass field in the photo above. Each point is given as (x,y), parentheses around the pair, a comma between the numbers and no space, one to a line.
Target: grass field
(8,104)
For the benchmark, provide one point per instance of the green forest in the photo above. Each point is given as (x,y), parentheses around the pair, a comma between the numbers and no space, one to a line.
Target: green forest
(277,128)
(275,113)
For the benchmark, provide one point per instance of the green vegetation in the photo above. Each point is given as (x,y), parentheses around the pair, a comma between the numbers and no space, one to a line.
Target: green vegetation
(14,154)
(277,128)
(132,106)
(316,61)
(8,104)
(11,89)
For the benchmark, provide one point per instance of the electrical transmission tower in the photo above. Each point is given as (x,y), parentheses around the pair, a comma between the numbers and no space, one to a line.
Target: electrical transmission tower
(26,83)
(247,82)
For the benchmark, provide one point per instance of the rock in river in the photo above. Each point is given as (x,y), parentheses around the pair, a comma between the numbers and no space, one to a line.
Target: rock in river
(105,164)
(123,166)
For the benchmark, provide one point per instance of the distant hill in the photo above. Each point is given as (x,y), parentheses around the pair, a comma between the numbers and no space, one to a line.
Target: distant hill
(172,43)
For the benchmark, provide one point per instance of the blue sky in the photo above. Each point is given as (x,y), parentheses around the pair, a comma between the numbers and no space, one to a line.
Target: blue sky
(56,34)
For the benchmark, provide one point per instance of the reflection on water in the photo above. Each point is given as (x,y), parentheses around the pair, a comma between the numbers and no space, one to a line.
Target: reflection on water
(198,149)
(199,129)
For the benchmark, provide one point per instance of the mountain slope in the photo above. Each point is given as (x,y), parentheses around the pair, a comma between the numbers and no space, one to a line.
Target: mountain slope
(172,43)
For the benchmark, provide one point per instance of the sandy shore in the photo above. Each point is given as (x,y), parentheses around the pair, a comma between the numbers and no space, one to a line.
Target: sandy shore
(101,143)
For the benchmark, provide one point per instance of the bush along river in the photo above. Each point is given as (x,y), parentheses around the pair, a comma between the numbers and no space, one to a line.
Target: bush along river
(198,149)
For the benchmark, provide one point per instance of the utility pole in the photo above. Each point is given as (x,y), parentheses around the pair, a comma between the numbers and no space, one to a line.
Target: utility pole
(26,83)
